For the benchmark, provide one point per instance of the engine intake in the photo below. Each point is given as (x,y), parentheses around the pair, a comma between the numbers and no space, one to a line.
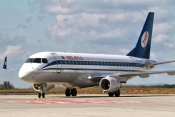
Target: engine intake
(110,84)
(42,87)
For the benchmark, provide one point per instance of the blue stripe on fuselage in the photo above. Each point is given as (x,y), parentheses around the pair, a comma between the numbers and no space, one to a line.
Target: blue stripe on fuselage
(87,69)
(94,63)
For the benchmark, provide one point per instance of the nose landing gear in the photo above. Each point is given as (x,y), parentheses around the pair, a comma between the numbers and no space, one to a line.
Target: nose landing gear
(41,94)
(70,91)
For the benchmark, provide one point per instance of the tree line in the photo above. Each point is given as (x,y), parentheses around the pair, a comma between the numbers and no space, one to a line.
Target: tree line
(6,85)
(152,86)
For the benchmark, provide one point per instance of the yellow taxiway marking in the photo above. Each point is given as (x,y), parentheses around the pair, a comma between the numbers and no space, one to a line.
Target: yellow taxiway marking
(38,98)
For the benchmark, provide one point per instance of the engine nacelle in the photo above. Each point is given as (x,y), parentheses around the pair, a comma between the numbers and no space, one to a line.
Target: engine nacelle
(110,84)
(42,87)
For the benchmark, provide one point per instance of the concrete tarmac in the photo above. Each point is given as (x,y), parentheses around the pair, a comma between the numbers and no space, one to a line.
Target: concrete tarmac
(88,105)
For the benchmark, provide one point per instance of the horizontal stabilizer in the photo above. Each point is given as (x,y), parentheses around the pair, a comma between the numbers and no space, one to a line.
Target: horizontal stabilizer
(159,63)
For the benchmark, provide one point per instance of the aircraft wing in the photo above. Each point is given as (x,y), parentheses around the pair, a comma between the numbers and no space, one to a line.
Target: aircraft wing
(5,66)
(11,70)
(146,74)
(124,76)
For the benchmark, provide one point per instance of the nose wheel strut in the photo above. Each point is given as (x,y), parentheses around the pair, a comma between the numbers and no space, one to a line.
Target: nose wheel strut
(41,94)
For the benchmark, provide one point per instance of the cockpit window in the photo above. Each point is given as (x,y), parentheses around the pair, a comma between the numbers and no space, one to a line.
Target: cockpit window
(28,60)
(44,60)
(33,60)
(37,60)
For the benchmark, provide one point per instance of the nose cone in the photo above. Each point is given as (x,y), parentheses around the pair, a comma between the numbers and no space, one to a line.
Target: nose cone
(24,73)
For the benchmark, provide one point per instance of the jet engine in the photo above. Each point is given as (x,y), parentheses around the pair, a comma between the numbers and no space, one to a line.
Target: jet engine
(42,87)
(110,84)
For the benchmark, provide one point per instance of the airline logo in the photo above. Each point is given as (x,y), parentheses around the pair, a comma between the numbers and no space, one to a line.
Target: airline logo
(72,57)
(62,57)
(144,39)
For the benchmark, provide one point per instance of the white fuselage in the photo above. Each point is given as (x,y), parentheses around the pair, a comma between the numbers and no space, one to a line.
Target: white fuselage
(75,68)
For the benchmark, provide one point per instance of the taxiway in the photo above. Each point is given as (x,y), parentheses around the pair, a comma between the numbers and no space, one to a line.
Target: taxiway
(88,105)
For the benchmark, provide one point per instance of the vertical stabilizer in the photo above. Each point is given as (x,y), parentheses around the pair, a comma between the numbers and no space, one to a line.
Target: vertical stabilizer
(143,46)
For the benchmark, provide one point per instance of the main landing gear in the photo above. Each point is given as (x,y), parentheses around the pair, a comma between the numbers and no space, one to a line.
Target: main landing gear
(70,91)
(117,94)
(41,94)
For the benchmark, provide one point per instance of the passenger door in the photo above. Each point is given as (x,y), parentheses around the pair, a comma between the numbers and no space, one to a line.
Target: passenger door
(57,62)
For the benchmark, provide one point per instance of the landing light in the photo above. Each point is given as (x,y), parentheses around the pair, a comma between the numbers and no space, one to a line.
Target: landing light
(89,77)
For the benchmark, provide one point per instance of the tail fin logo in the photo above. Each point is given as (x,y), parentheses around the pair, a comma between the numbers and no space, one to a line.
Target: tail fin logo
(144,39)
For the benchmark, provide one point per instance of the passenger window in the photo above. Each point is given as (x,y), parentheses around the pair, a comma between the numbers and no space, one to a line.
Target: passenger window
(72,62)
(115,63)
(63,62)
(104,63)
(89,62)
(75,62)
(44,60)
(111,63)
(78,62)
(82,62)
(37,60)
(92,63)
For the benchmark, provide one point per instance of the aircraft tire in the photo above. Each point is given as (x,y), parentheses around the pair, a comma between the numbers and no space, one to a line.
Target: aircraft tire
(110,94)
(74,92)
(43,95)
(39,95)
(117,93)
(67,92)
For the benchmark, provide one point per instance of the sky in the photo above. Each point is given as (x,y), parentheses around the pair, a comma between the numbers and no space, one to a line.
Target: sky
(84,26)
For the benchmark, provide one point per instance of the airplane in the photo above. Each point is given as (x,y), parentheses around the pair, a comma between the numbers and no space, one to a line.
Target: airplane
(79,70)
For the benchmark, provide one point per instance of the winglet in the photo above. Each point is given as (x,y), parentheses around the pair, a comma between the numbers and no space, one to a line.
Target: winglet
(5,64)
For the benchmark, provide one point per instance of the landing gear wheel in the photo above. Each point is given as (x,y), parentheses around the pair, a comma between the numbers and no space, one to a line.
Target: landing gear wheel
(39,95)
(67,92)
(117,93)
(111,94)
(43,95)
(74,92)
